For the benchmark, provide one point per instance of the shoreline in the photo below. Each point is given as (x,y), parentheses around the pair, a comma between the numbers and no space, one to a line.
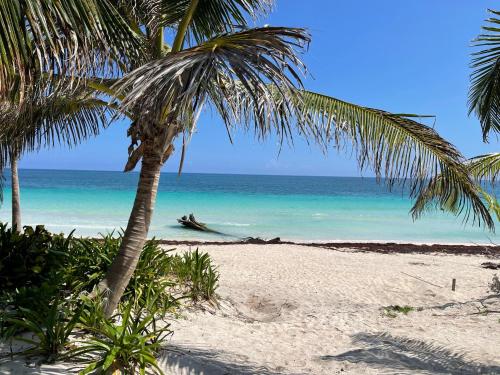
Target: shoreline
(492,251)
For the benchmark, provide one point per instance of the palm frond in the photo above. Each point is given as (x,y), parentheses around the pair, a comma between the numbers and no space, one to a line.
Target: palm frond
(250,79)
(484,92)
(485,167)
(45,118)
(63,36)
(235,73)
(211,17)
(401,150)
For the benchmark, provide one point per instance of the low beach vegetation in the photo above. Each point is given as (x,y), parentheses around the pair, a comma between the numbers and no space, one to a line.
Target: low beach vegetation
(48,298)
(392,311)
(130,341)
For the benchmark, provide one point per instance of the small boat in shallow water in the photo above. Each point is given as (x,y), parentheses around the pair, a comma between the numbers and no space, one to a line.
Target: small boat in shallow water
(191,223)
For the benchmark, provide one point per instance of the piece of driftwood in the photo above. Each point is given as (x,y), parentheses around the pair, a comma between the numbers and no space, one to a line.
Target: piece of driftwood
(491,265)
(259,241)
(191,223)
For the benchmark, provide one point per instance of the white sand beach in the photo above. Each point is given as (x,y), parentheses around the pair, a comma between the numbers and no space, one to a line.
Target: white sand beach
(290,309)
(300,310)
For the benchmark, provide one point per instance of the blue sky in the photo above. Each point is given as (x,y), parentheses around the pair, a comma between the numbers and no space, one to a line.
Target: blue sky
(401,56)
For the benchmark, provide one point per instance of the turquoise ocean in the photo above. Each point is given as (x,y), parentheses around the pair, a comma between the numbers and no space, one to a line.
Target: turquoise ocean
(290,207)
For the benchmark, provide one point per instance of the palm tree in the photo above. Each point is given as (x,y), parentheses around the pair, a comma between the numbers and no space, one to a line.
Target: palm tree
(67,37)
(40,42)
(42,119)
(484,101)
(251,77)
(484,92)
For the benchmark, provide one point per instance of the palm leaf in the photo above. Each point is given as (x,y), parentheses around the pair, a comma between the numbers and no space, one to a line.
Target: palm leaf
(47,117)
(484,93)
(235,73)
(250,79)
(63,36)
(210,17)
(401,150)
(485,167)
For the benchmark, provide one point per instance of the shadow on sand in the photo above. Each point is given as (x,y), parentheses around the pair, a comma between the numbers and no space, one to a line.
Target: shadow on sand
(181,360)
(20,366)
(386,352)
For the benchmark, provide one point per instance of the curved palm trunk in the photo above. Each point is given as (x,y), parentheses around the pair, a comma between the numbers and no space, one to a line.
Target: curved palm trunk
(123,266)
(16,195)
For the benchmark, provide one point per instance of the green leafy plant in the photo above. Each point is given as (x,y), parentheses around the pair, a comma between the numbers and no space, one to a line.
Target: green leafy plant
(44,308)
(190,275)
(129,342)
(195,270)
(89,259)
(92,315)
(393,310)
(51,328)
(30,258)
(153,277)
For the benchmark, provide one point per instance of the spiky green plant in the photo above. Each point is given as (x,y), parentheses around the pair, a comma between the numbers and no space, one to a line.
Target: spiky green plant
(130,344)
(51,328)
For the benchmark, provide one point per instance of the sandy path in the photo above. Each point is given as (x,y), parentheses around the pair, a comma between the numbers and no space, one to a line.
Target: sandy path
(300,310)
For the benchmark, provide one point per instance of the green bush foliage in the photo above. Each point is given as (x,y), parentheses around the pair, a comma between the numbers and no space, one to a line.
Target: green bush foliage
(128,342)
(51,327)
(45,282)
(31,258)
(194,270)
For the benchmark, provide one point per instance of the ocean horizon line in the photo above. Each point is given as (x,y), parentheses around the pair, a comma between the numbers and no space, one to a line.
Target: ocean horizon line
(197,173)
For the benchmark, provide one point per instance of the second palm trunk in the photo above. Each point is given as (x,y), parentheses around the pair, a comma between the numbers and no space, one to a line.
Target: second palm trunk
(123,266)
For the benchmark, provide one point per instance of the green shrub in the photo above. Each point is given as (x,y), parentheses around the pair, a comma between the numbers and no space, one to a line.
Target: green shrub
(92,315)
(45,279)
(190,275)
(51,328)
(89,259)
(195,270)
(393,310)
(130,345)
(153,276)
(31,258)
(37,266)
